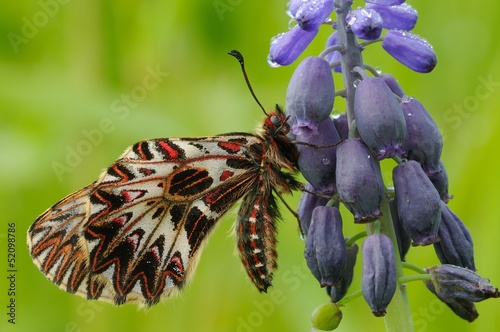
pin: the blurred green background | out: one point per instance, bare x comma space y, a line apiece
67, 68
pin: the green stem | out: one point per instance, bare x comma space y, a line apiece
415, 277
349, 298
414, 267
398, 317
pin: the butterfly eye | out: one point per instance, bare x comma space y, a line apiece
275, 120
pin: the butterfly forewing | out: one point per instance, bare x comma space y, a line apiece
133, 234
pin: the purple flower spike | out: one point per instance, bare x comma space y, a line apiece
325, 250
423, 142
365, 23
287, 47
418, 203
402, 17
379, 273
456, 245
318, 165
393, 84
379, 119
310, 96
312, 13
411, 50
385, 2
359, 181
333, 57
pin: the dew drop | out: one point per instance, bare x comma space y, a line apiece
326, 161
272, 63
356, 82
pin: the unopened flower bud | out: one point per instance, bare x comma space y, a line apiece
317, 163
456, 246
287, 47
325, 250
340, 122
404, 239
359, 182
411, 50
310, 95
423, 141
379, 273
311, 14
418, 203
334, 56
365, 23
379, 119
462, 308
402, 17
337, 292
393, 84
452, 281
326, 317
307, 203
440, 181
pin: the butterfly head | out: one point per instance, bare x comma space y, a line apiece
276, 123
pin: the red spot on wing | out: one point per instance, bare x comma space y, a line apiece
132, 195
156, 253
178, 263
121, 220
225, 175
230, 146
170, 152
146, 171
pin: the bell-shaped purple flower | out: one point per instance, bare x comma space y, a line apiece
401, 17
317, 163
440, 181
306, 205
393, 84
325, 250
404, 239
338, 292
462, 308
359, 182
334, 56
379, 119
340, 122
411, 50
379, 273
310, 96
423, 142
386, 2
456, 245
365, 23
312, 13
287, 47
418, 203
452, 281
293, 6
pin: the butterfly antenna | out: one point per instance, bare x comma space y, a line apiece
240, 59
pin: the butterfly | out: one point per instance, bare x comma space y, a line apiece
136, 234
